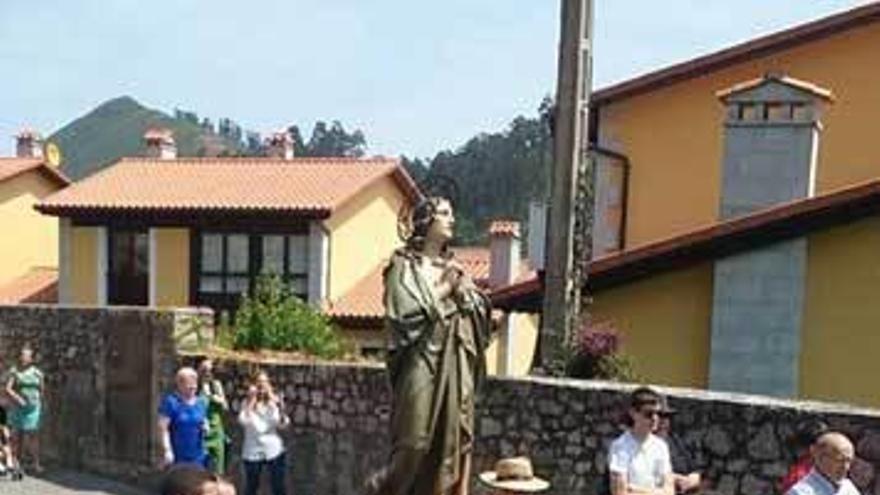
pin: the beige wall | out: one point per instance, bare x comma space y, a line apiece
523, 343
665, 324
673, 136
172, 267
84, 265
29, 238
363, 233
841, 332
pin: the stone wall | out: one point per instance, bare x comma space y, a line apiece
104, 369
340, 419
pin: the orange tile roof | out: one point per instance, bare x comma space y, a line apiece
807, 86
38, 285
475, 260
13, 167
723, 238
301, 185
364, 300
504, 227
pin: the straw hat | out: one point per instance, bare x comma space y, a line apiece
514, 474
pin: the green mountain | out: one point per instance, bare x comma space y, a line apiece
115, 129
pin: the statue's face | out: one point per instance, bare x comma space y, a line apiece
444, 222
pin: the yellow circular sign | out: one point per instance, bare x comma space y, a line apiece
53, 154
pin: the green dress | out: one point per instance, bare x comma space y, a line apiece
27, 383
435, 363
215, 437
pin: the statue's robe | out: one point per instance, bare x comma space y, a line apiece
436, 362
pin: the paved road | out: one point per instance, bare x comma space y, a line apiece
62, 482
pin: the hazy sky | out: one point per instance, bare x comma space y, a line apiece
416, 76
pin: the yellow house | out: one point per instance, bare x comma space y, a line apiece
168, 231
737, 216
29, 244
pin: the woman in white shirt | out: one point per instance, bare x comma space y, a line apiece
262, 415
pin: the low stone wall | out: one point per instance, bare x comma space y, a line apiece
340, 428
104, 369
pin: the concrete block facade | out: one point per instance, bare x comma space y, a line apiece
757, 313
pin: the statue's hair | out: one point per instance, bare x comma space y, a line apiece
421, 219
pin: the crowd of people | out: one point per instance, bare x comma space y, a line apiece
192, 432
647, 458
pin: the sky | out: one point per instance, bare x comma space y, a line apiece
416, 76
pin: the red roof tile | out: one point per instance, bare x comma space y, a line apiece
807, 86
38, 285
13, 167
504, 227
364, 300
777, 223
301, 185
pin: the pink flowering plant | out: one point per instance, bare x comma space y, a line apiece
597, 353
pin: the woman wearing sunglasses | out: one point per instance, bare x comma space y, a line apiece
638, 460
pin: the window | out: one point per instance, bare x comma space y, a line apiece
229, 264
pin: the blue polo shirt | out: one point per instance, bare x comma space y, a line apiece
186, 423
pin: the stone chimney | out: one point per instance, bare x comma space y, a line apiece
771, 142
28, 144
160, 143
280, 145
504, 247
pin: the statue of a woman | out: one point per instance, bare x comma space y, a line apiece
439, 325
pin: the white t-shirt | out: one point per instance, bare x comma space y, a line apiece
642, 464
261, 439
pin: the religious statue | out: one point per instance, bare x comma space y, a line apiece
439, 325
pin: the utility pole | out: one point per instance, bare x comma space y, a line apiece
561, 290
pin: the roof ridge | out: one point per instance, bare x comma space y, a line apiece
259, 159
731, 54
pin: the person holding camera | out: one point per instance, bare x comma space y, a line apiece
262, 415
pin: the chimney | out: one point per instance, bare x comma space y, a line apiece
280, 145
537, 234
160, 143
28, 144
504, 246
771, 142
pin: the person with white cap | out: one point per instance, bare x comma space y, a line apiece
513, 475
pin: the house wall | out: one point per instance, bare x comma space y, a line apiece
35, 236
83, 268
664, 322
671, 191
840, 333
522, 340
363, 233
172, 266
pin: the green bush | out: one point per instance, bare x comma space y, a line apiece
273, 318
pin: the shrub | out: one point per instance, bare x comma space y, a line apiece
597, 354
273, 318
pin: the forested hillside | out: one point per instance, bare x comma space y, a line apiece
497, 173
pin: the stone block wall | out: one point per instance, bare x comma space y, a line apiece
104, 368
340, 428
